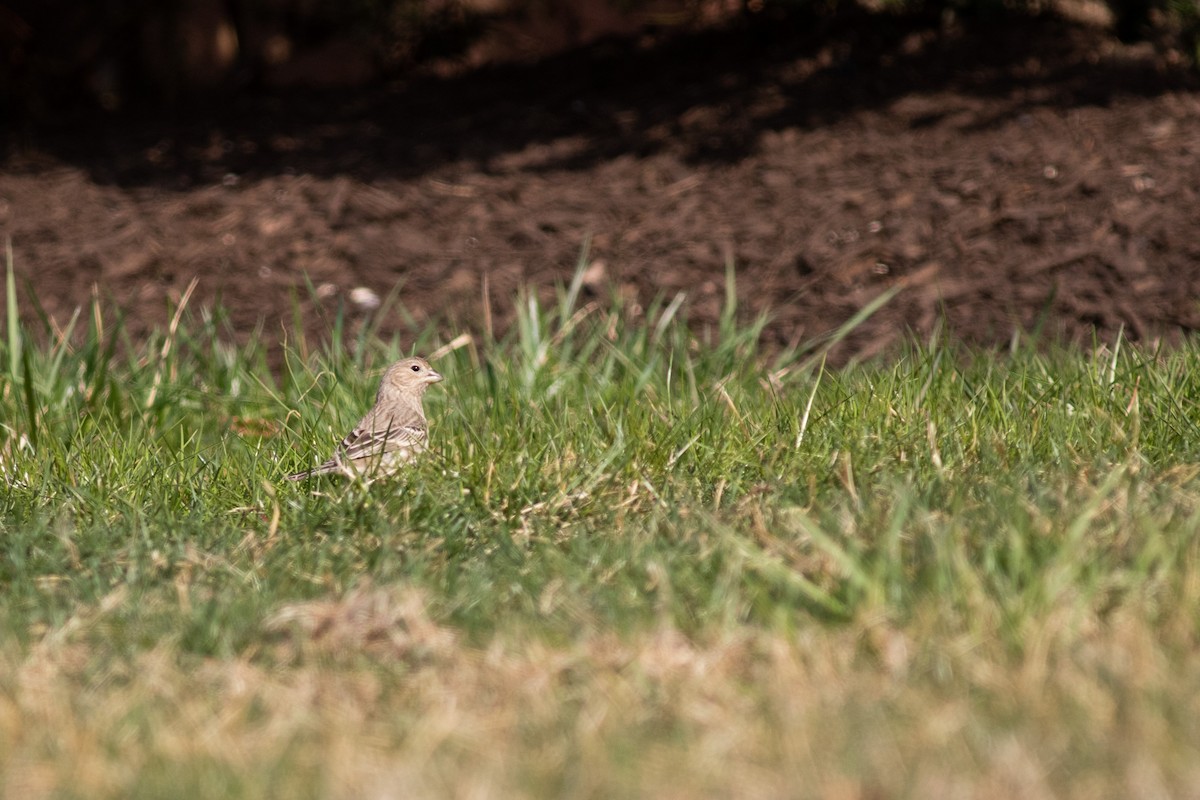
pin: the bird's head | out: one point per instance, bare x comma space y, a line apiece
410, 375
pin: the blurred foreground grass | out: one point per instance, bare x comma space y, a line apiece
636, 561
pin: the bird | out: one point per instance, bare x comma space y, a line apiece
392, 433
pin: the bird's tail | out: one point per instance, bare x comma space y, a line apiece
328, 466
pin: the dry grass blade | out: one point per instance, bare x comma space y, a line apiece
168, 342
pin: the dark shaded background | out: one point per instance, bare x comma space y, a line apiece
1005, 168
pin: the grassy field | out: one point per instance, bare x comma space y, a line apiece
637, 561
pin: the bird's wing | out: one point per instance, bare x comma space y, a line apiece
371, 441
373, 437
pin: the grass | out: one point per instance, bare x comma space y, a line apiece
636, 561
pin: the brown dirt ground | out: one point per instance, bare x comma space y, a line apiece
1003, 174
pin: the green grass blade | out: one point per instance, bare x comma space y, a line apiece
14, 321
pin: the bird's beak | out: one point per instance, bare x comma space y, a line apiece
433, 377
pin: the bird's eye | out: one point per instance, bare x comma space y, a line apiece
416, 368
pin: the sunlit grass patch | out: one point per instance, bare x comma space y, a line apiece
636, 559
907, 710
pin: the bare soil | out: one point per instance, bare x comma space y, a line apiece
1006, 174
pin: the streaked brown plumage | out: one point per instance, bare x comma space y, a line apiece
392, 433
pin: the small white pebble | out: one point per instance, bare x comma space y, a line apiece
363, 297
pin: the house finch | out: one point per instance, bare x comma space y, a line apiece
392, 432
